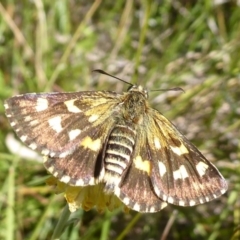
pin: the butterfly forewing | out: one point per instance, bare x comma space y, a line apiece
53, 124
118, 140
81, 167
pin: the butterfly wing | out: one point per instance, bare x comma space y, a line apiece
58, 125
136, 189
81, 166
72, 131
180, 174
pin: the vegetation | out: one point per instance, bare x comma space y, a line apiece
55, 45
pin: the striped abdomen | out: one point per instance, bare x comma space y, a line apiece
118, 154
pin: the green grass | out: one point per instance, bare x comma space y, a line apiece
55, 45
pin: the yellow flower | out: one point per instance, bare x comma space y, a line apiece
86, 197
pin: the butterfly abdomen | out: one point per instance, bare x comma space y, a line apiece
118, 153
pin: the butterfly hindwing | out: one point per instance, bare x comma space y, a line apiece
136, 188
138, 193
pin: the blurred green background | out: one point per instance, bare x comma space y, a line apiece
55, 45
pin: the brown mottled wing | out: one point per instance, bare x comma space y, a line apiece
136, 188
180, 174
68, 128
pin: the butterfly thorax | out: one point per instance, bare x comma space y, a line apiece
135, 104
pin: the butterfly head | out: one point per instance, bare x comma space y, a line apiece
139, 89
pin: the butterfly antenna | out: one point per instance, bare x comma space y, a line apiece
169, 89
102, 72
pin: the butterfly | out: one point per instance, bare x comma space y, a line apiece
94, 137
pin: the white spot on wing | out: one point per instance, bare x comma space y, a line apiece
23, 138
152, 209
162, 168
33, 146
201, 168
117, 191
65, 179
71, 107
223, 191
157, 143
74, 133
192, 203
126, 200
64, 154
45, 152
92, 181
34, 122
52, 154
179, 150
42, 104
6, 106
55, 124
164, 197
136, 207
12, 124
88, 142
51, 169
45, 159
143, 165
181, 173
93, 118
181, 203
28, 118
170, 200
79, 182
